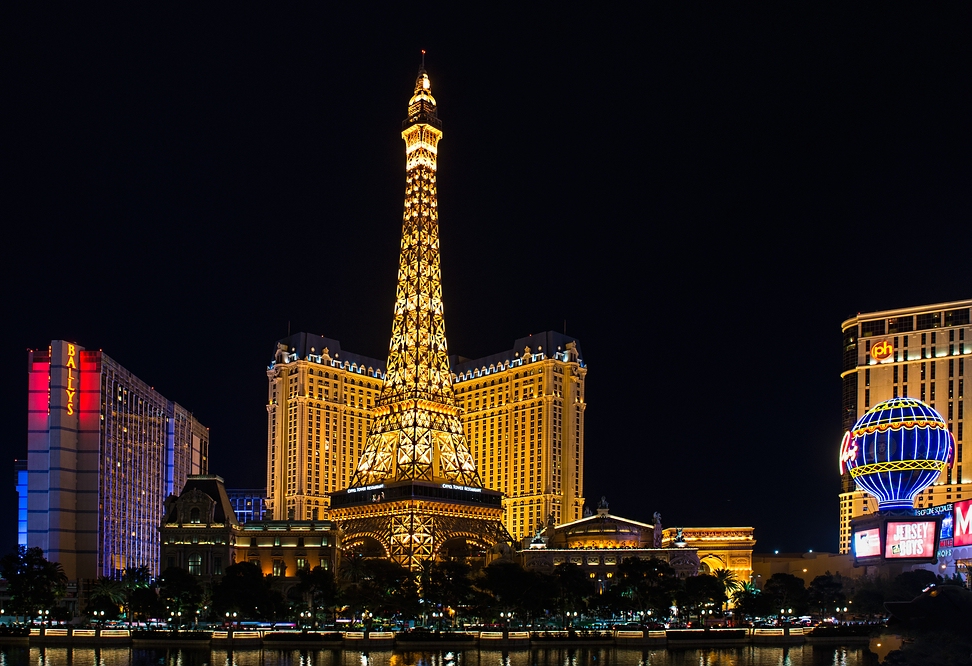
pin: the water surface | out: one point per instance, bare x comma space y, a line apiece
804, 655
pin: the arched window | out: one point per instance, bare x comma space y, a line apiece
194, 516
195, 564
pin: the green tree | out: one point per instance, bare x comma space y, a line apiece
105, 595
787, 592
180, 592
244, 590
751, 602
447, 585
729, 581
700, 593
319, 588
647, 586
33, 583
135, 582
573, 589
826, 593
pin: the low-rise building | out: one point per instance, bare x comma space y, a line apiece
200, 533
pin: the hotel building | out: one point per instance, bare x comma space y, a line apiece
104, 450
523, 419
922, 352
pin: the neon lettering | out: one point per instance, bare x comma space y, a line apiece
71, 365
848, 451
882, 350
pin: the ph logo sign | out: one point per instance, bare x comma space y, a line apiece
882, 351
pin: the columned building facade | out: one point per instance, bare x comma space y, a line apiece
922, 352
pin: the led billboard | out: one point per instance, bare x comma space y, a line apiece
962, 525
911, 539
867, 543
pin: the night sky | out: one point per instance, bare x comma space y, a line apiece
701, 197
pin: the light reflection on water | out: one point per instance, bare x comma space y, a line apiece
761, 655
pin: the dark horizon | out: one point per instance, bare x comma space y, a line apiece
701, 197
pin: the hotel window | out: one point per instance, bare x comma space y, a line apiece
195, 564
279, 568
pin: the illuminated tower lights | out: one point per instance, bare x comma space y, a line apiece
416, 439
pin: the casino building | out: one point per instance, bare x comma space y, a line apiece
524, 405
104, 450
922, 352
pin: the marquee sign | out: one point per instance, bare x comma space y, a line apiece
962, 525
911, 539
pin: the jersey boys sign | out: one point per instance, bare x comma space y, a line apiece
911, 539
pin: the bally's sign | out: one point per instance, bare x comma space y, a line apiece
71, 389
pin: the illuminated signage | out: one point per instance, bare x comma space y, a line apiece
455, 487
962, 525
945, 511
848, 451
72, 367
867, 543
911, 539
882, 351
364, 488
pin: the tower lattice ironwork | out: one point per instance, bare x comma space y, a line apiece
416, 485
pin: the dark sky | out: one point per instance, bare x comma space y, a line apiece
703, 196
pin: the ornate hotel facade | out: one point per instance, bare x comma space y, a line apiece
104, 450
922, 352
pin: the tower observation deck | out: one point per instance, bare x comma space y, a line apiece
416, 489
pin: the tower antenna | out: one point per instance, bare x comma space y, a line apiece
423, 58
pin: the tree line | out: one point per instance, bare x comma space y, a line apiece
449, 593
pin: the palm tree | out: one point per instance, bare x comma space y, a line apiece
106, 593
729, 581
134, 578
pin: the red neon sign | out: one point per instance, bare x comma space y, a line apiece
848, 451
910, 539
881, 351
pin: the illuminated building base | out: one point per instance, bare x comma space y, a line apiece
411, 522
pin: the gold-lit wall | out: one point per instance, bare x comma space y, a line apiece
922, 352
523, 422
319, 411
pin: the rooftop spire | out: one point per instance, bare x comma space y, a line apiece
421, 108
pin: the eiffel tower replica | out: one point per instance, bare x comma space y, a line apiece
416, 487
